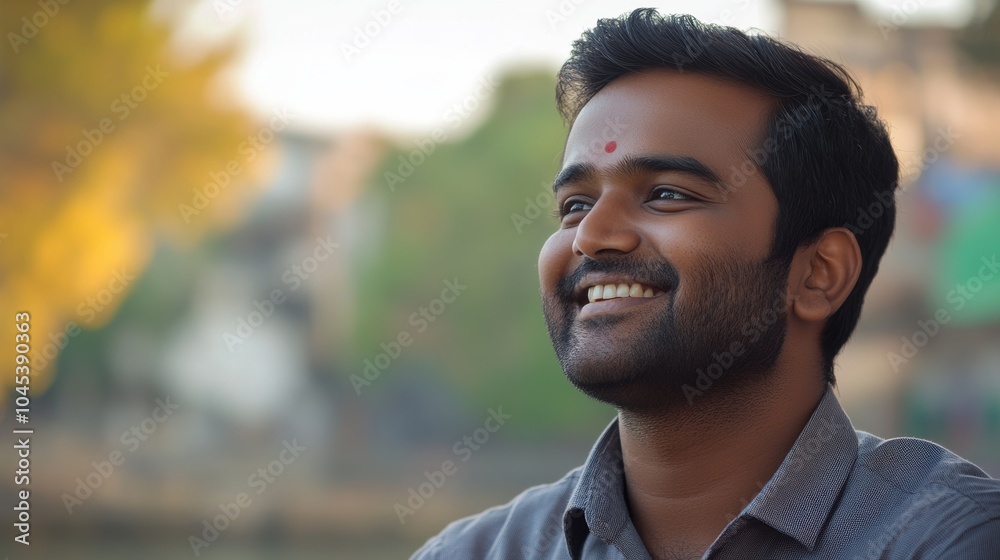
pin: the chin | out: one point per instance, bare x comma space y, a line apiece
626, 386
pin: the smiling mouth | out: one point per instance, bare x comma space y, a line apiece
613, 299
605, 292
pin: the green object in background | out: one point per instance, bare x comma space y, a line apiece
478, 209
968, 287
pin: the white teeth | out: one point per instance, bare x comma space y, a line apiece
612, 291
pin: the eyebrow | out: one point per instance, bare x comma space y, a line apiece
636, 165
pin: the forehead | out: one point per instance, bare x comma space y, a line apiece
664, 111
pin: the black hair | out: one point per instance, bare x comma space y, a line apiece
826, 155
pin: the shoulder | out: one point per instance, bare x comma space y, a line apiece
935, 496
917, 466
529, 526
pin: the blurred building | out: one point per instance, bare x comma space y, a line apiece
943, 112
239, 400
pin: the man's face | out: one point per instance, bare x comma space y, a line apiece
656, 193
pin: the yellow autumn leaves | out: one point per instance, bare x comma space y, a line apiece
73, 239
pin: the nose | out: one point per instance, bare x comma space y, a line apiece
605, 230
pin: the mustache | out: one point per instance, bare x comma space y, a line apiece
661, 274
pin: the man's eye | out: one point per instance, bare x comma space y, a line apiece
668, 193
571, 206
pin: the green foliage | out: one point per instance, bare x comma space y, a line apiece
104, 133
453, 218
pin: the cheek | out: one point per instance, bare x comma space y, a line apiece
752, 222
553, 258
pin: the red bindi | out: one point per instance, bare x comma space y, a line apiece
610, 146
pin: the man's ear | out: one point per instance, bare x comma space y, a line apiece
823, 274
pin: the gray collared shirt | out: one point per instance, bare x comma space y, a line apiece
839, 493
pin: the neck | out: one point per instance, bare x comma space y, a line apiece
692, 469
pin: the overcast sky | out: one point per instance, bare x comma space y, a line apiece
307, 55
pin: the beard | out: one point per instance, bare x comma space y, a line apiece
711, 335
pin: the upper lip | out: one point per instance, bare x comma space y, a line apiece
597, 279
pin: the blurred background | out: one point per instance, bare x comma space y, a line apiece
280, 260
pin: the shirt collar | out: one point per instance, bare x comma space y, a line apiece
597, 504
799, 497
796, 501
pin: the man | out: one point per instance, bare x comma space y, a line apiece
705, 274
